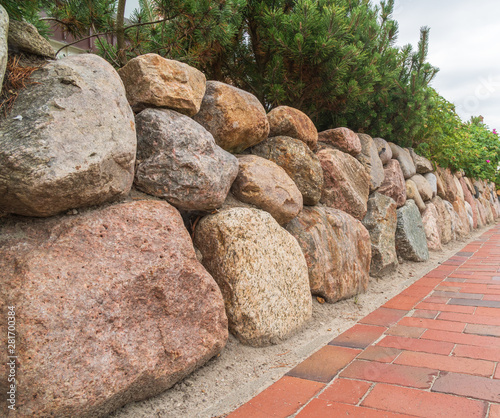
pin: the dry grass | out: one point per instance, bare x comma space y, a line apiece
16, 78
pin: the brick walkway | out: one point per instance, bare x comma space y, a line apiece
431, 351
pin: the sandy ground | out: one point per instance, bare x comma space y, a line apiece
241, 372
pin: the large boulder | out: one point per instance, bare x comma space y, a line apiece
405, 160
24, 37
261, 271
384, 150
346, 182
444, 220
341, 138
413, 194
422, 164
72, 142
431, 228
469, 199
266, 185
287, 121
394, 183
423, 186
381, 221
470, 215
4, 30
432, 180
411, 242
113, 307
458, 185
337, 250
235, 118
371, 161
178, 160
449, 190
462, 229
153, 81
300, 163
455, 220
481, 214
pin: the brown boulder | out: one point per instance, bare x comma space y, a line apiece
431, 228
444, 220
449, 190
413, 193
300, 163
235, 118
381, 221
266, 185
261, 271
394, 183
154, 81
113, 307
462, 229
469, 199
337, 250
371, 161
346, 183
341, 138
287, 121
24, 37
422, 164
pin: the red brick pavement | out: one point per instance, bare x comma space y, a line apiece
431, 351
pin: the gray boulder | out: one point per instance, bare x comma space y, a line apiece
384, 150
381, 222
178, 160
444, 220
69, 141
405, 160
24, 37
411, 241
423, 186
422, 164
371, 161
432, 180
261, 272
299, 162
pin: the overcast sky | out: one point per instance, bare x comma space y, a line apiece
464, 44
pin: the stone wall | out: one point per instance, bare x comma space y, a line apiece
149, 212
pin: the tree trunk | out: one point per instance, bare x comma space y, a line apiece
120, 32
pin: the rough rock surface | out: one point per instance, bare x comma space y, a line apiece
300, 163
394, 183
413, 193
261, 271
470, 200
346, 182
337, 250
114, 308
384, 150
431, 228
449, 191
405, 160
266, 185
24, 37
444, 220
153, 81
287, 121
462, 228
479, 187
343, 139
432, 180
470, 215
422, 164
234, 117
4, 30
381, 221
411, 242
481, 213
458, 185
71, 141
423, 186
371, 161
178, 160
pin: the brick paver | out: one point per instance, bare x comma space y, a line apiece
431, 351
